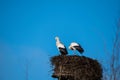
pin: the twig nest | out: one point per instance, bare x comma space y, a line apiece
75, 67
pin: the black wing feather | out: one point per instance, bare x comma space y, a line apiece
63, 51
79, 48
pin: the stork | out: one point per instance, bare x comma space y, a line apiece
61, 47
76, 46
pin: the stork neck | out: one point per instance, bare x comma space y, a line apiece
58, 41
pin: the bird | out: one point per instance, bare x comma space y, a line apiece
61, 47
76, 46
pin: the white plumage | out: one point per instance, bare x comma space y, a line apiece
75, 46
61, 47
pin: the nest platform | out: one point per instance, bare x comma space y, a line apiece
74, 67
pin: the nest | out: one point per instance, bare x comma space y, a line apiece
76, 68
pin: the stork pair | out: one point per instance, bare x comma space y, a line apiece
73, 46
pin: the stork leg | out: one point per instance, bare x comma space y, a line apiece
81, 54
74, 51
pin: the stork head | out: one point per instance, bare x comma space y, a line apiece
69, 47
57, 38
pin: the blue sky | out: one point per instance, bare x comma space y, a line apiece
28, 29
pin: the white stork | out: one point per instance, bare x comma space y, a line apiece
61, 47
75, 46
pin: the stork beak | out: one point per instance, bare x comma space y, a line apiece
56, 38
69, 47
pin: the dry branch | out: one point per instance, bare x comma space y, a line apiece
76, 68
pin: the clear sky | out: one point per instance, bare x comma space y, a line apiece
28, 29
